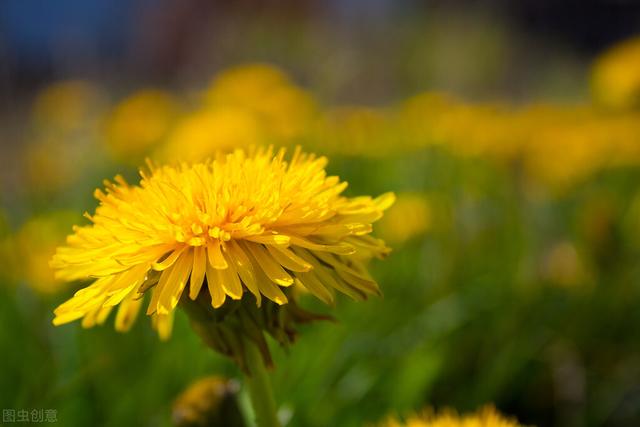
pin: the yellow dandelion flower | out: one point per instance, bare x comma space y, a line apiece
208, 401
203, 133
50, 173
244, 222
139, 123
615, 80
356, 131
411, 216
35, 244
485, 417
283, 109
66, 105
63, 129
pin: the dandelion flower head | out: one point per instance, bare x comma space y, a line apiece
244, 222
485, 417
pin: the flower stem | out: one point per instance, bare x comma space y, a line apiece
264, 405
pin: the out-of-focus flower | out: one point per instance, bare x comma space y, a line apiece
139, 123
466, 129
64, 130
420, 113
244, 106
615, 79
411, 216
564, 267
567, 144
242, 83
202, 134
52, 165
244, 222
35, 244
556, 146
485, 417
210, 401
282, 109
356, 131
65, 106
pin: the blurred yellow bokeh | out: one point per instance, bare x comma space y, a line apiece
281, 107
35, 243
64, 129
140, 123
615, 79
409, 217
202, 134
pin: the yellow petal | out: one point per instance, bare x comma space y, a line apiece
197, 274
164, 324
230, 282
128, 312
270, 289
175, 283
168, 261
63, 318
270, 239
215, 255
338, 248
156, 292
385, 201
244, 269
288, 259
215, 287
272, 269
311, 282
103, 313
328, 276
359, 282
89, 320
124, 283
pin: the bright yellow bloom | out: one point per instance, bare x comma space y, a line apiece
486, 417
615, 79
243, 222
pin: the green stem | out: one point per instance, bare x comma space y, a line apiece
264, 405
